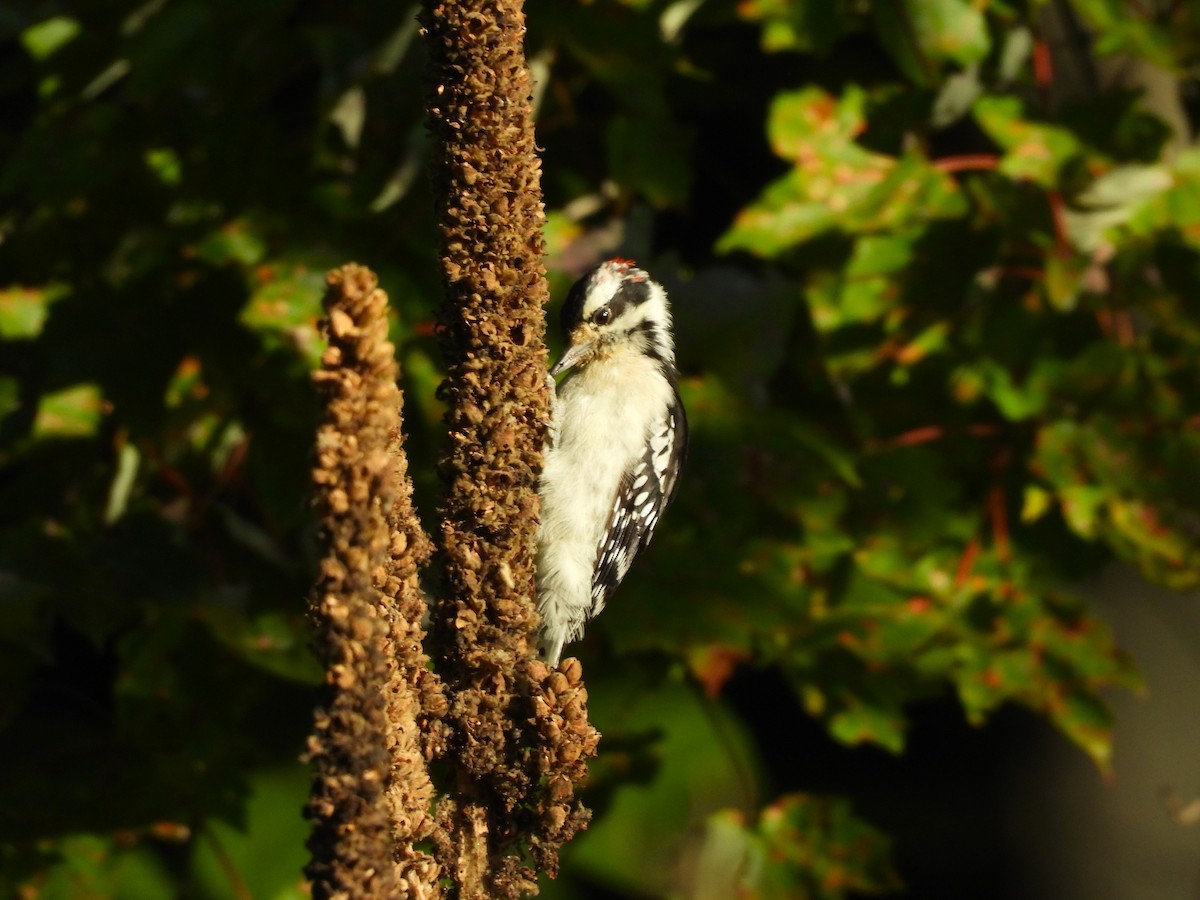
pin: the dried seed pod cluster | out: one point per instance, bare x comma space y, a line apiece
565, 742
371, 791
486, 178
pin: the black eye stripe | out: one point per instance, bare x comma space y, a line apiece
635, 292
617, 305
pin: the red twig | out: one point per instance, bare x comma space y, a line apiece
917, 436
1043, 72
968, 162
966, 563
999, 517
928, 433
1043, 64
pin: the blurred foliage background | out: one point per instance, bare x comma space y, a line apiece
935, 266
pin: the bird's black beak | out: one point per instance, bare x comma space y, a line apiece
573, 356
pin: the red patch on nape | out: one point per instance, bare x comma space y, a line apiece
625, 265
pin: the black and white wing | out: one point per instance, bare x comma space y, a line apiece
646, 491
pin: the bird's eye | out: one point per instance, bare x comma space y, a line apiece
602, 315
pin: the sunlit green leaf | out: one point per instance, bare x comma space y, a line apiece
862, 722
165, 164
923, 34
286, 306
835, 183
1122, 26
1033, 151
694, 773
47, 37
122, 483
73, 412
264, 857
1036, 503
801, 846
866, 289
235, 242
23, 311
797, 24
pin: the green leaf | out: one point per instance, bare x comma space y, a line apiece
801, 846
128, 459
285, 307
235, 242
809, 125
989, 677
91, 867
1112, 200
1017, 401
1088, 722
951, 30
275, 642
1081, 506
1062, 283
265, 853
1164, 199
923, 34
866, 289
165, 164
1124, 27
1036, 504
1032, 151
46, 38
73, 412
690, 757
863, 722
957, 95
1138, 522
836, 183
23, 310
813, 25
